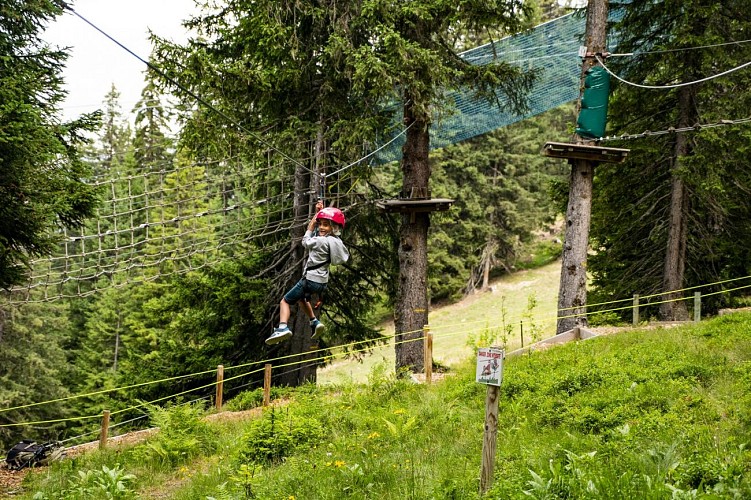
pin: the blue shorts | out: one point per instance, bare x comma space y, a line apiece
303, 289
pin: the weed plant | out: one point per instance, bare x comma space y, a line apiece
644, 414
247, 400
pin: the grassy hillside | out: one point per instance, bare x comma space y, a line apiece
660, 413
528, 295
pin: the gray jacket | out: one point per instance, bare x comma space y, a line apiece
320, 249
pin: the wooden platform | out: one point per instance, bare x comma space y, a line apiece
584, 152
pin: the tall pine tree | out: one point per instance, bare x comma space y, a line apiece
673, 216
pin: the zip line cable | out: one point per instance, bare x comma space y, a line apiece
697, 127
677, 85
372, 153
682, 49
221, 113
187, 91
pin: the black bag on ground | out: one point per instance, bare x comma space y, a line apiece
29, 453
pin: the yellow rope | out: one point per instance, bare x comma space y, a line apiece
334, 356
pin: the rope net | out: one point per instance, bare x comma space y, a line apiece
550, 49
175, 218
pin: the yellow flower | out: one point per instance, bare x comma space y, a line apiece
339, 463
373, 435
291, 497
400, 411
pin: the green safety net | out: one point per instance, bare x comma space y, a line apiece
551, 49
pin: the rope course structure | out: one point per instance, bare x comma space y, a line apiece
550, 50
175, 217
181, 216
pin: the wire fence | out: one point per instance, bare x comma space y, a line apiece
286, 364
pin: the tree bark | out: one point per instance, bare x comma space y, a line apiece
572, 292
300, 342
675, 254
411, 310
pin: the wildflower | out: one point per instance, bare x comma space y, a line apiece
373, 435
339, 463
399, 411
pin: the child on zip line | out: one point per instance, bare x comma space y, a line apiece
324, 248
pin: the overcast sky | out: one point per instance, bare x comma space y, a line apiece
96, 62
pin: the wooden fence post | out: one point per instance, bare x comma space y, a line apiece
104, 430
636, 309
697, 306
489, 439
267, 384
219, 386
428, 353
521, 331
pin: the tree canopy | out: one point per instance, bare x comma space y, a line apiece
41, 187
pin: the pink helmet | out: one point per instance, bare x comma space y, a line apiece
333, 214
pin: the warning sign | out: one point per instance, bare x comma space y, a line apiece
490, 366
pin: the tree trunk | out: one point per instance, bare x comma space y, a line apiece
675, 254
411, 310
486, 267
572, 292
300, 342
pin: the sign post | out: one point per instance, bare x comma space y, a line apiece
489, 372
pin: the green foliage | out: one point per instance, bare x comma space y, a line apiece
42, 189
537, 254
384, 383
501, 186
33, 368
274, 437
247, 400
96, 484
631, 204
183, 435
645, 414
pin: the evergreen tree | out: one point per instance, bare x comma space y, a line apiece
502, 186
33, 368
43, 191
672, 216
42, 187
278, 70
406, 56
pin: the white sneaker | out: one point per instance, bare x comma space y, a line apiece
279, 335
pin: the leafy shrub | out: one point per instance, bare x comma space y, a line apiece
183, 434
105, 483
384, 383
247, 400
270, 438
604, 318
576, 381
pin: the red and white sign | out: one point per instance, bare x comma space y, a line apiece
490, 366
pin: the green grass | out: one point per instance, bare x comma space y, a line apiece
478, 317
662, 413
